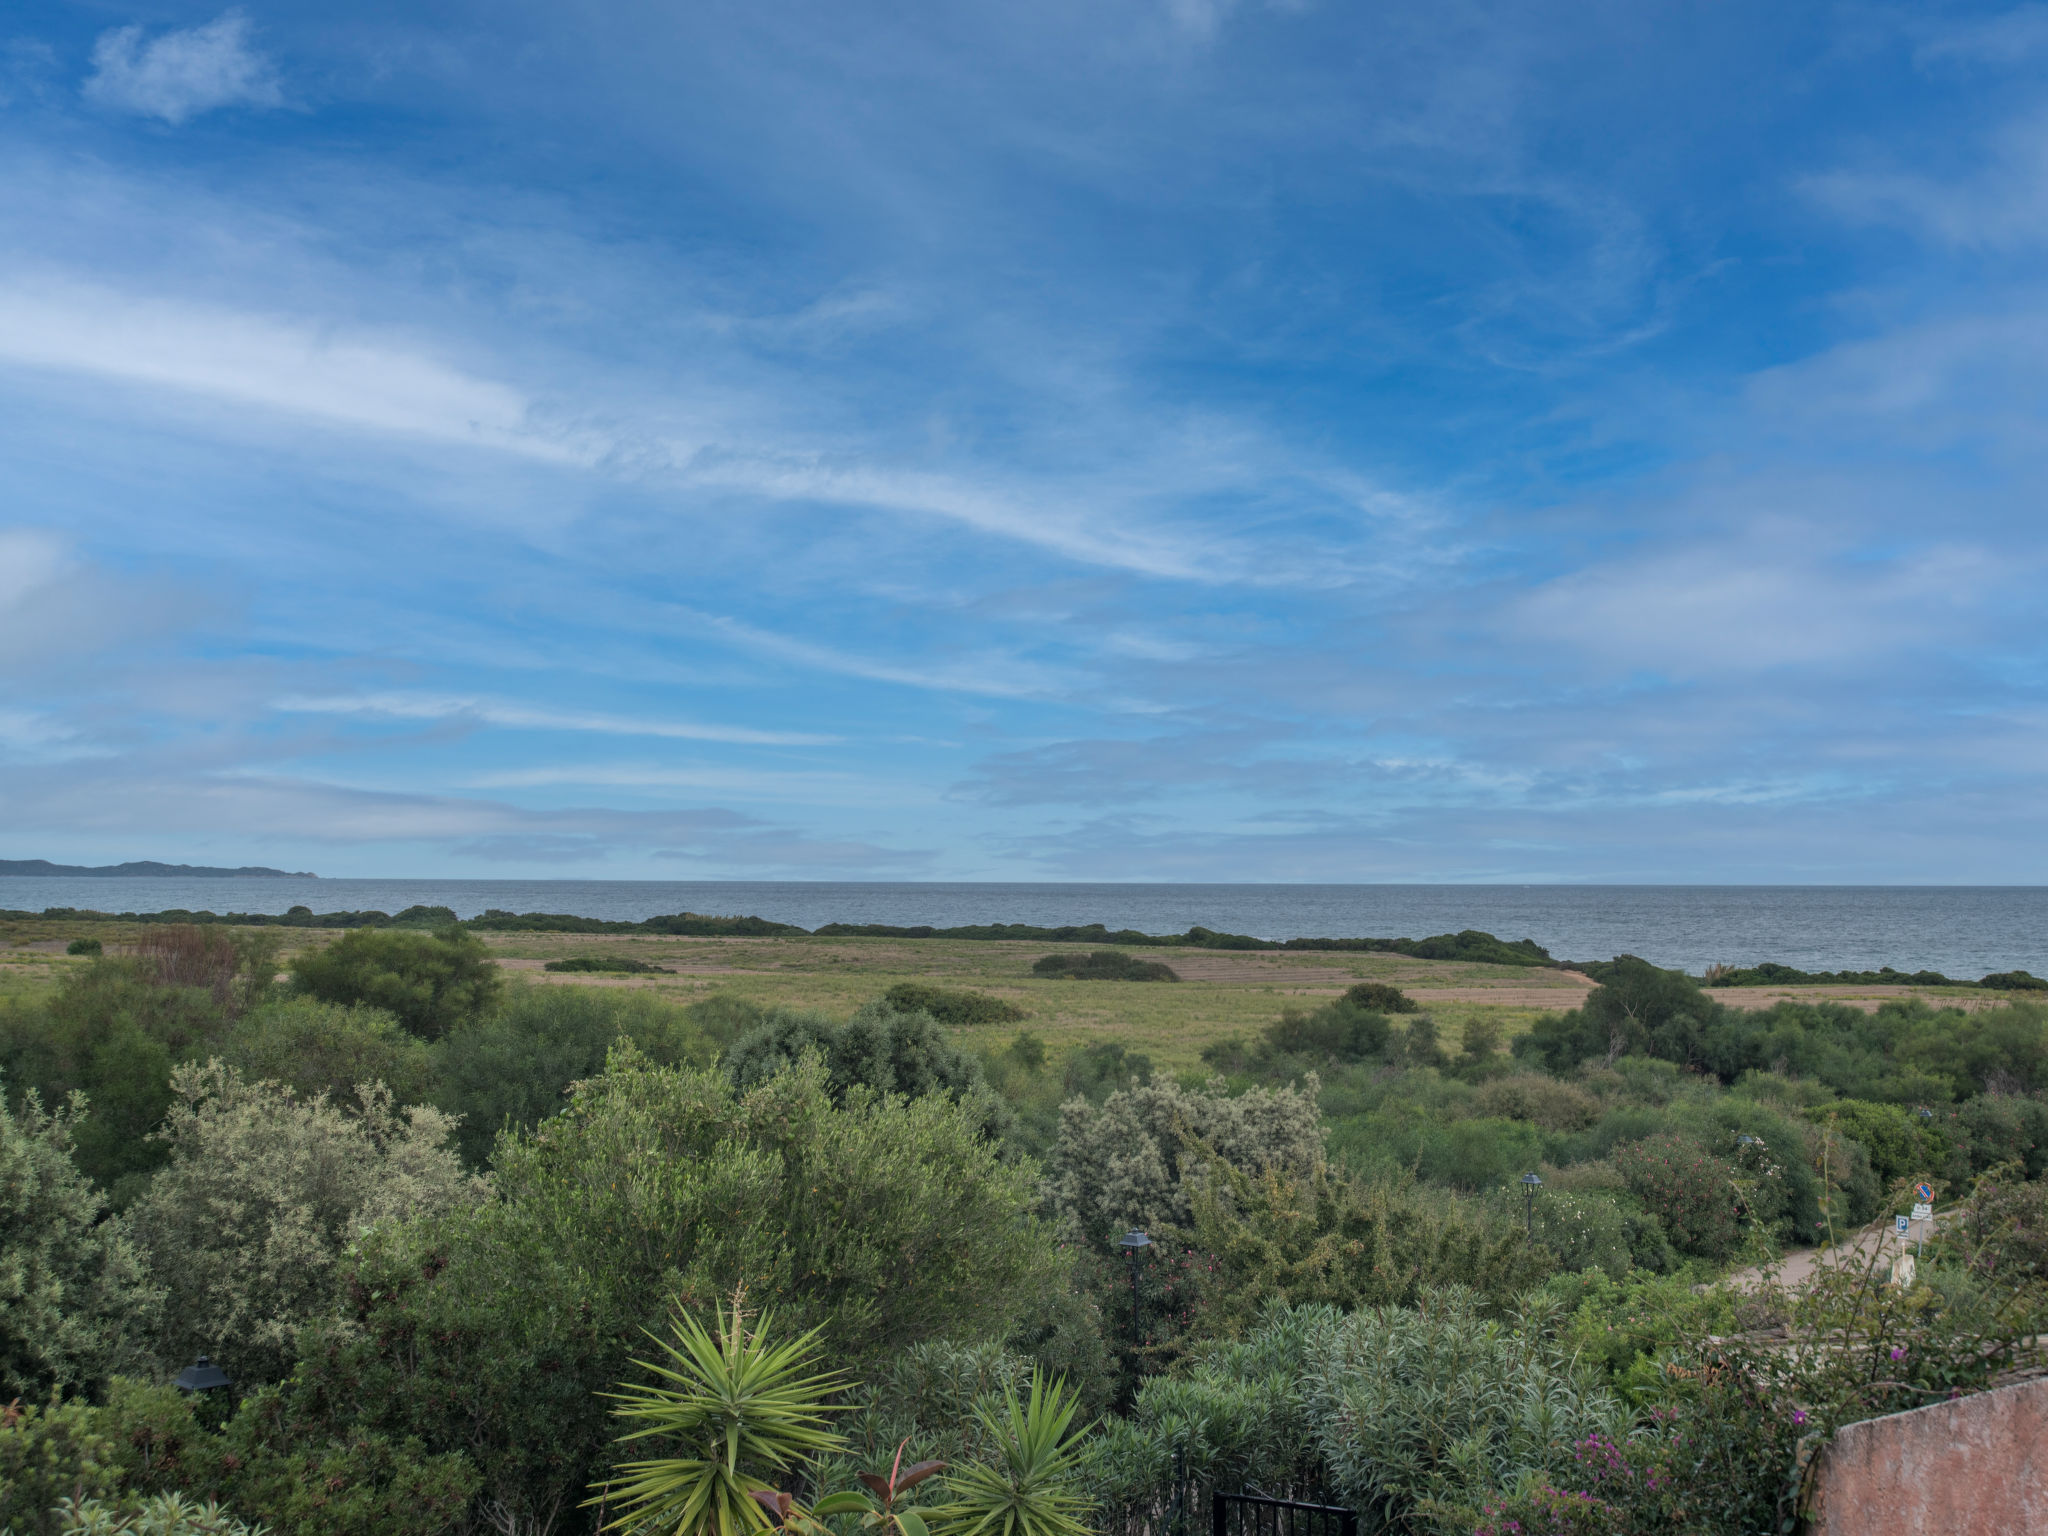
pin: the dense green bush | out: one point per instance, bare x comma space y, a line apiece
432, 982
877, 1049
76, 1303
1688, 1189
113, 1032
1328, 1238
84, 947
512, 1070
950, 1005
1103, 965
613, 965
145, 1455
314, 1047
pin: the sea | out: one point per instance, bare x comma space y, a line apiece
1962, 931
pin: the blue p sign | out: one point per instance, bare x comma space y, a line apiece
1902, 1225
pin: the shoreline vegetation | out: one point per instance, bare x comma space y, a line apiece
1392, 1207
1470, 945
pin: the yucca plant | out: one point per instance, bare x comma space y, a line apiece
739, 1405
1029, 1488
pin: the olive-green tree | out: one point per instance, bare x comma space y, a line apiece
431, 981
76, 1302
263, 1192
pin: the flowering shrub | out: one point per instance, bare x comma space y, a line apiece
1688, 1189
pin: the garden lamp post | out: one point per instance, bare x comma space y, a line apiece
202, 1375
1131, 1242
1530, 1184
1745, 1140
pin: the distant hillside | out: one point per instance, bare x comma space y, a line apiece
146, 867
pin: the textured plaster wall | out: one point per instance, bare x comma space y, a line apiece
1974, 1467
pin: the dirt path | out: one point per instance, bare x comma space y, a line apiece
1799, 1264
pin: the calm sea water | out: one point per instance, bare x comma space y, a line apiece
1961, 930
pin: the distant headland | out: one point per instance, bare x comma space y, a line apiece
148, 868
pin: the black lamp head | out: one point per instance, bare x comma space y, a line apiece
1530, 1182
1132, 1241
202, 1375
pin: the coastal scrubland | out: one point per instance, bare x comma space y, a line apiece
1446, 1240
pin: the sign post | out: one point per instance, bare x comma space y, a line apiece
1923, 1211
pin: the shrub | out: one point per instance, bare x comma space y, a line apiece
949, 1006
1691, 1192
432, 982
83, 947
877, 1049
50, 1454
313, 1047
263, 1192
1378, 997
1132, 1160
75, 1301
512, 1070
1543, 1101
1102, 1067
618, 965
1422, 1415
113, 1034
1103, 965
1326, 1238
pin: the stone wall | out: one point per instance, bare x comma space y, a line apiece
1975, 1467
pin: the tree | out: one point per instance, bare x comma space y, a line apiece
878, 1048
263, 1193
76, 1303
315, 1047
882, 1221
1134, 1160
113, 1033
513, 1069
1636, 1007
431, 981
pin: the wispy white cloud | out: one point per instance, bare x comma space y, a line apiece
1001, 677
512, 716
385, 385
179, 75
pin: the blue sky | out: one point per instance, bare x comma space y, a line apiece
1147, 439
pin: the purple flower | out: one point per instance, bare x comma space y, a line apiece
1798, 1415
1898, 1352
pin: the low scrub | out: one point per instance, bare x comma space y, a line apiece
608, 965
1103, 965
949, 1006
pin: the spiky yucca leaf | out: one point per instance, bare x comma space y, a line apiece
739, 1404
1028, 1490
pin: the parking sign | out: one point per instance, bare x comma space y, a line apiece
1902, 1225
1923, 1192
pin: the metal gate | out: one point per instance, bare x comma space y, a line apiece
1250, 1514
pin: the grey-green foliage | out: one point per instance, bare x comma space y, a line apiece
76, 1302
513, 1069
1422, 1413
1411, 1415
263, 1193
1133, 1160
317, 1047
